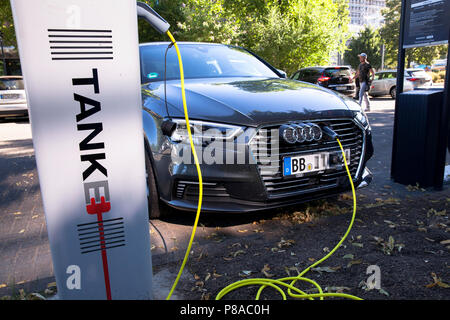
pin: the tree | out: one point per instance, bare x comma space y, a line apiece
291, 34
390, 32
367, 41
7, 24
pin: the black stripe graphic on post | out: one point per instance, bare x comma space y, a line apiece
98, 236
80, 44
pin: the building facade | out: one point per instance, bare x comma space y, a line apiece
365, 13
362, 13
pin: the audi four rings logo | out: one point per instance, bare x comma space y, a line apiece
300, 132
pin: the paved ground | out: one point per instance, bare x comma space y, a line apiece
25, 259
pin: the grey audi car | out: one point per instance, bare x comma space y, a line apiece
263, 140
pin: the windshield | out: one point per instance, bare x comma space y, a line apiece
11, 84
201, 61
337, 72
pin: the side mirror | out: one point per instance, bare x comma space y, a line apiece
282, 73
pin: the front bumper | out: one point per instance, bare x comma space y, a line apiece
247, 187
238, 206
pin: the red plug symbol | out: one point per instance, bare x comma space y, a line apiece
98, 208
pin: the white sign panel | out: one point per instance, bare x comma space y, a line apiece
80, 63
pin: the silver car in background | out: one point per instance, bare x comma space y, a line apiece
418, 78
385, 83
13, 100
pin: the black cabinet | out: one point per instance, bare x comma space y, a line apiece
416, 144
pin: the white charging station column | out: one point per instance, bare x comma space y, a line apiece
80, 62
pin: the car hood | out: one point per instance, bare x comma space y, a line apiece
249, 101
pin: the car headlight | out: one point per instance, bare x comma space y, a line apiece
204, 132
362, 118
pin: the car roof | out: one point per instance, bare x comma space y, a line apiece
325, 67
322, 68
158, 43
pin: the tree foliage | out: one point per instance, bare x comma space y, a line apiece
289, 34
367, 41
7, 24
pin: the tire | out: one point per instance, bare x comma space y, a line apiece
156, 209
393, 92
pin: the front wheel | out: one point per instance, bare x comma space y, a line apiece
156, 209
393, 92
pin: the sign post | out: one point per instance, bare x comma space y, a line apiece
80, 63
425, 23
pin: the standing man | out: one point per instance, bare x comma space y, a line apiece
365, 74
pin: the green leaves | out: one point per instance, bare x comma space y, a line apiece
368, 41
288, 34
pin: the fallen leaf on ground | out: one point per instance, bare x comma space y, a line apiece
382, 291
265, 271
353, 262
337, 289
238, 253
323, 269
437, 282
285, 243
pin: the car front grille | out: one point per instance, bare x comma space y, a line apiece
270, 161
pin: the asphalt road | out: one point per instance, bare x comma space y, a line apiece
25, 258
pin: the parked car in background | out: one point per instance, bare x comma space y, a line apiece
338, 78
13, 101
385, 83
439, 65
418, 78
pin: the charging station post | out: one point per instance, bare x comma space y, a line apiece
80, 62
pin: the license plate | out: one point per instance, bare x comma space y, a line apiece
10, 96
311, 162
341, 88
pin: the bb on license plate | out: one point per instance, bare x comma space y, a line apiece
310, 162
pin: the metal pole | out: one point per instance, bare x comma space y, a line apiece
5, 71
443, 129
399, 85
382, 56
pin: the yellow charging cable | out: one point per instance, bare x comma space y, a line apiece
276, 284
199, 173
